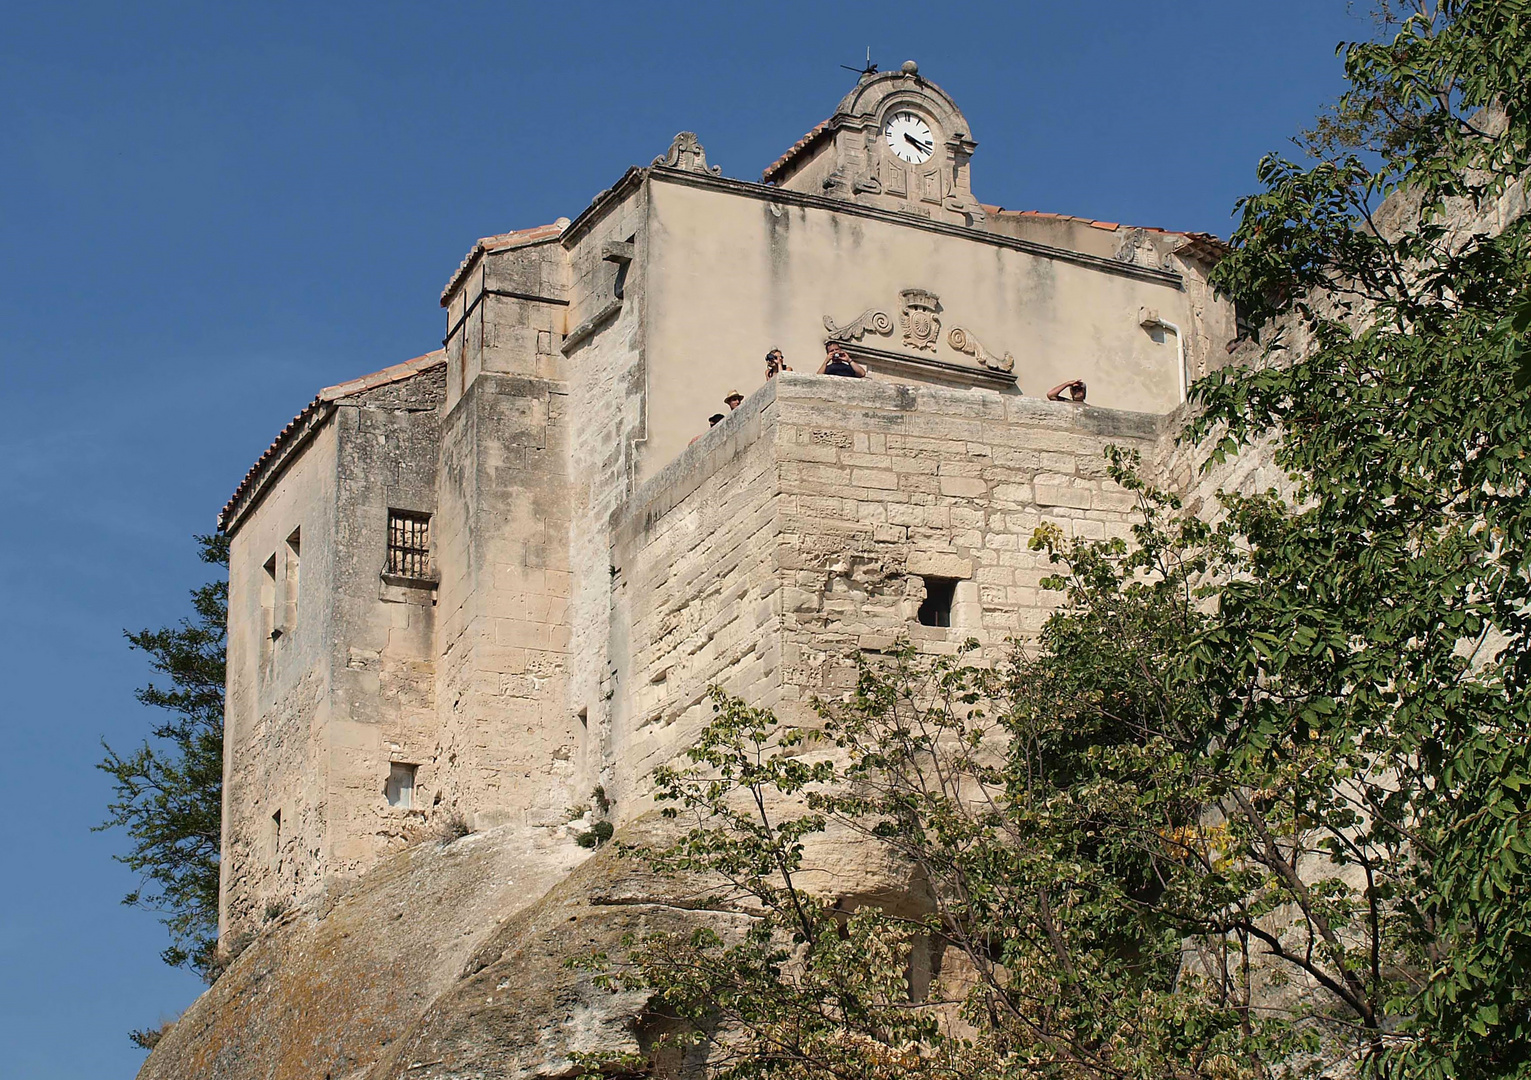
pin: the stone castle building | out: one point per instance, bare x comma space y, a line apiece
475, 586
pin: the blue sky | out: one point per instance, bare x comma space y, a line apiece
208, 213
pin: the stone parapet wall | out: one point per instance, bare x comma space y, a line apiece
696, 578
799, 533
883, 486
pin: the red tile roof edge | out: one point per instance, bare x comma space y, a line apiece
797, 148
503, 242
309, 420
1202, 240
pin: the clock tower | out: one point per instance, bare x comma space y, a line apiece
897, 142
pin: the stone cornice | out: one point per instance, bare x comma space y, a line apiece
974, 374
603, 202
766, 193
288, 445
291, 440
635, 176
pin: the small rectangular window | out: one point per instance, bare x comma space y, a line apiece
401, 785
409, 544
936, 608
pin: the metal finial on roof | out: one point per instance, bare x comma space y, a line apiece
870, 69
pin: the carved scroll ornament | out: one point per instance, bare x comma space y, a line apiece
686, 153
962, 339
870, 321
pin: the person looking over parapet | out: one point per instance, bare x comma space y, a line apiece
733, 400
1075, 389
712, 421
838, 362
775, 363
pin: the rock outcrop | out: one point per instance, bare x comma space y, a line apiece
450, 961
322, 995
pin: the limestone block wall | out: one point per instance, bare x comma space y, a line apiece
885, 485
802, 529
523, 313
280, 671
508, 313
384, 708
505, 746
697, 587
607, 382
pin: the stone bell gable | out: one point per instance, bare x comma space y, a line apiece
850, 156
469, 590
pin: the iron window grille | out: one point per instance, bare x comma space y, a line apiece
409, 544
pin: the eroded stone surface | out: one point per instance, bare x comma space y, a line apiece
324, 994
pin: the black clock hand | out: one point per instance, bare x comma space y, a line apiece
916, 143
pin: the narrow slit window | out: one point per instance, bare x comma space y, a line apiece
401, 785
269, 631
409, 544
936, 608
294, 564
275, 834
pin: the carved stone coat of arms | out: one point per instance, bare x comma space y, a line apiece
919, 318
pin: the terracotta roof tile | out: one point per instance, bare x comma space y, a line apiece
1202, 244
797, 149
503, 242
314, 413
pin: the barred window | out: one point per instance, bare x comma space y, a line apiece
409, 543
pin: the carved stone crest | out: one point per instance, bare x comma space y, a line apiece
962, 339
686, 153
919, 318
1136, 248
870, 321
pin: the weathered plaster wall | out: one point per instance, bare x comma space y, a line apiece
316, 714
278, 693
730, 277
608, 421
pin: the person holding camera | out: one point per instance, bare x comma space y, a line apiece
838, 362
775, 364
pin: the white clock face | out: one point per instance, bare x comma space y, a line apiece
909, 137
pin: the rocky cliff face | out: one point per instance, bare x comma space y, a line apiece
449, 961
322, 995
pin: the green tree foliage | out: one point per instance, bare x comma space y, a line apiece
1259, 803
1396, 600
168, 792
